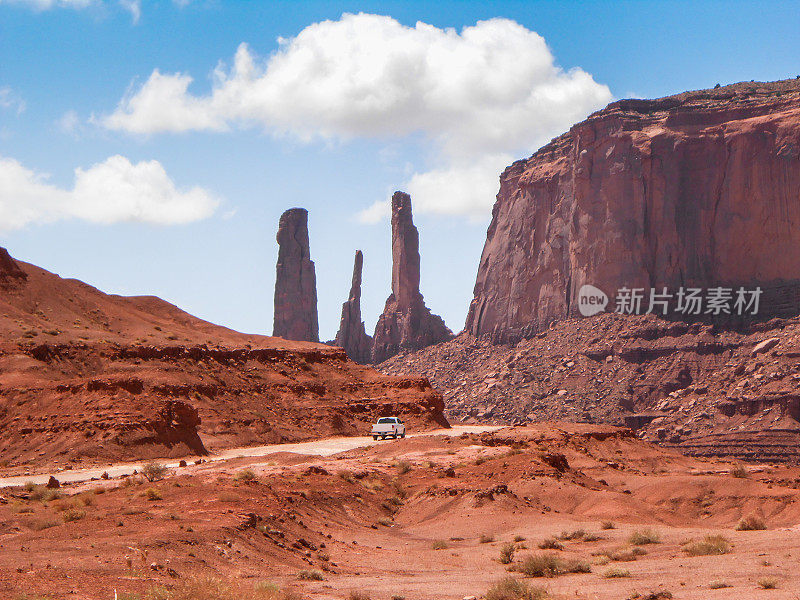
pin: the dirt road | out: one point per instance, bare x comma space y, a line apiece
324, 447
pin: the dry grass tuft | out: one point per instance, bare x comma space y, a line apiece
616, 572
550, 544
513, 589
643, 537
708, 546
549, 565
507, 553
768, 583
751, 523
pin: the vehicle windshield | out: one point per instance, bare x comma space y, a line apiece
385, 420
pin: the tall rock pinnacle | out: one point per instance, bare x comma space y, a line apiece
295, 316
352, 335
406, 323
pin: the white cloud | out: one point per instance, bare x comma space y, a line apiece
11, 101
491, 89
134, 7
113, 191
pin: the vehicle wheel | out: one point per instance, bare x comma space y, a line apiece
402, 436
375, 437
383, 437
394, 436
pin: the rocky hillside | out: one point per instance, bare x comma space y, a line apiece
696, 190
703, 390
86, 374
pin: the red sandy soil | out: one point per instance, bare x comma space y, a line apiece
86, 376
705, 390
368, 520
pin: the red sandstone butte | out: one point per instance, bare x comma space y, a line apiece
295, 316
352, 335
700, 189
406, 323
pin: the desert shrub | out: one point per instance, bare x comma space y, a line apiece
439, 545
385, 521
607, 525
510, 588
709, 545
643, 537
153, 471
548, 565
42, 524
578, 534
346, 475
358, 595
592, 537
209, 588
310, 576
245, 475
616, 572
507, 553
768, 583
73, 514
29, 486
718, 585
751, 523
152, 494
397, 597
486, 538
550, 544
403, 467
621, 554
519, 538
739, 471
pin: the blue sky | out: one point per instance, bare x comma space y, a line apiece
180, 188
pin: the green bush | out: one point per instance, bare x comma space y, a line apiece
153, 471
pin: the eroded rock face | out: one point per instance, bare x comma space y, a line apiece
406, 323
295, 316
699, 190
10, 272
352, 335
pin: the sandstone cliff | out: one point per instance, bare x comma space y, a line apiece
698, 190
352, 335
406, 323
295, 316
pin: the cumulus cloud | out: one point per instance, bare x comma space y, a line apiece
491, 89
113, 191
